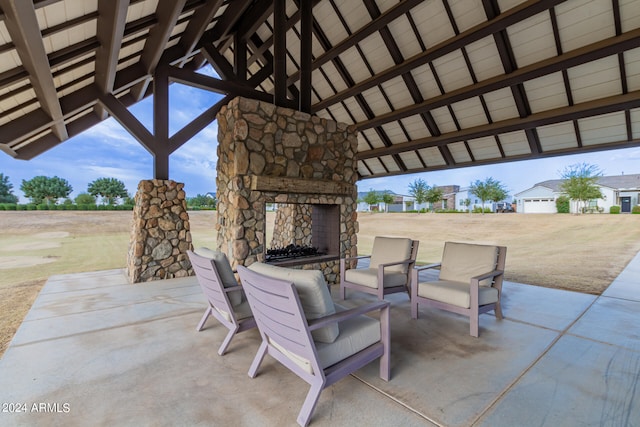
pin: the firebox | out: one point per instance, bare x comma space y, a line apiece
298, 233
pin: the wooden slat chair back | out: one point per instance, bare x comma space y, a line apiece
469, 283
286, 336
389, 270
226, 301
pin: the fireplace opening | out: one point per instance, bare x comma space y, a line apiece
301, 231
291, 252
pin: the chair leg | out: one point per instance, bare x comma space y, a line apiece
414, 309
206, 315
498, 310
310, 403
227, 341
343, 291
262, 351
474, 320
385, 359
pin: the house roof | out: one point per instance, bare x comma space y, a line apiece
618, 182
429, 85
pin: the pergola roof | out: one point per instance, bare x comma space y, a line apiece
429, 85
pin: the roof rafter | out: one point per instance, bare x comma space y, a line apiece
502, 21
558, 115
23, 27
167, 13
598, 50
110, 30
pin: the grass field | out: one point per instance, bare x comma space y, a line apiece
580, 253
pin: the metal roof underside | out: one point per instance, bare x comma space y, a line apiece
429, 85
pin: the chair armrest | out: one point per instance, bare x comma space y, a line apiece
484, 276
426, 266
347, 314
356, 257
389, 264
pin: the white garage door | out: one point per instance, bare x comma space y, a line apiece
539, 206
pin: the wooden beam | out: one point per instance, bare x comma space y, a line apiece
197, 26
487, 28
23, 27
196, 125
578, 111
300, 186
161, 123
128, 121
372, 27
585, 54
110, 30
306, 46
226, 87
279, 52
155, 44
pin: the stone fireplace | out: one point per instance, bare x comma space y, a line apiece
303, 164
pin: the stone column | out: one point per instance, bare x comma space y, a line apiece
160, 233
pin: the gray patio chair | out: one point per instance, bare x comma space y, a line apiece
470, 282
286, 336
224, 295
389, 270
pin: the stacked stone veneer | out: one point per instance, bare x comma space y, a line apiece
292, 226
160, 233
269, 154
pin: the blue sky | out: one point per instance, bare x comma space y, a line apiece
107, 150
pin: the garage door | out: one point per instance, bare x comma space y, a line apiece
539, 206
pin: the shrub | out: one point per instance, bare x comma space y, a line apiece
635, 209
22, 207
43, 207
31, 207
614, 209
563, 204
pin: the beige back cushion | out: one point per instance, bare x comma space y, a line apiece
390, 249
313, 292
224, 271
462, 261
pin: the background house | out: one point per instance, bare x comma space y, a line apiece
620, 190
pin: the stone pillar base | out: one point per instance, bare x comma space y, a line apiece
160, 233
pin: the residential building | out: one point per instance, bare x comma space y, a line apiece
620, 190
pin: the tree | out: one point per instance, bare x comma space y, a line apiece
489, 190
467, 202
387, 198
44, 188
372, 198
85, 199
418, 190
6, 190
580, 183
434, 195
203, 200
110, 189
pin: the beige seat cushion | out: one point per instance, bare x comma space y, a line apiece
356, 334
225, 272
313, 293
390, 249
369, 277
241, 311
456, 293
462, 261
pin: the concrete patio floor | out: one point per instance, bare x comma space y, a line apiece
95, 350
